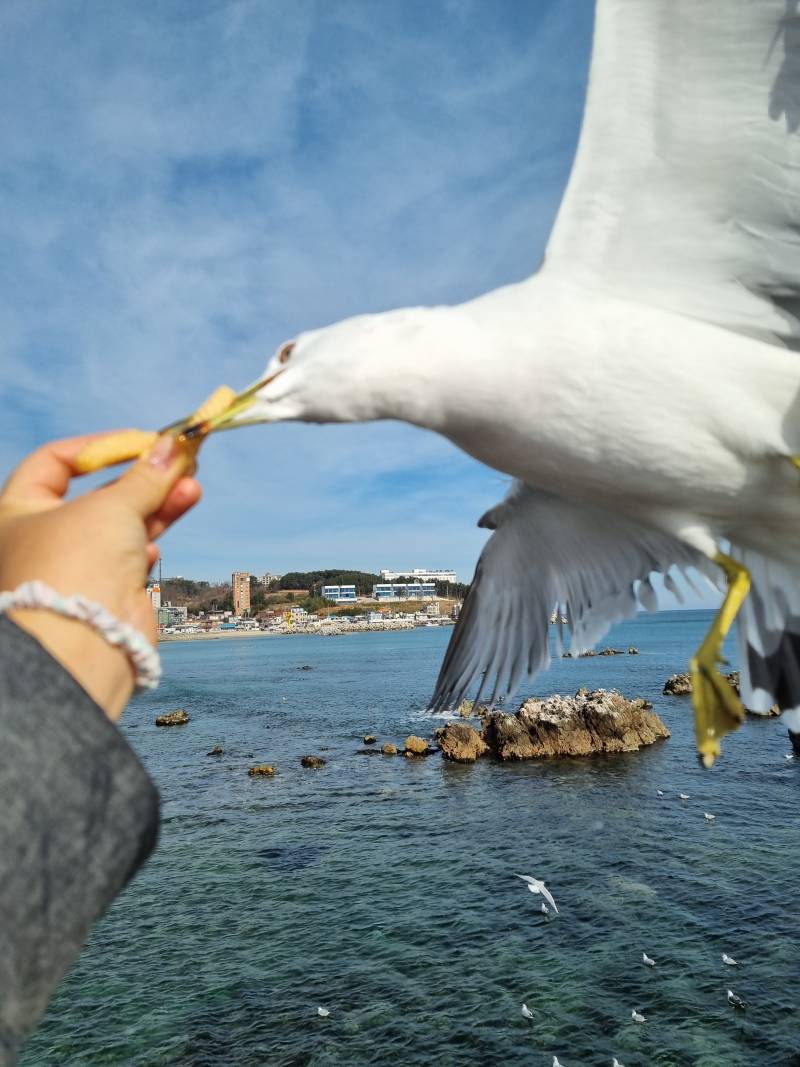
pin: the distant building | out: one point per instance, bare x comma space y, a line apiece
419, 574
154, 593
169, 615
240, 586
404, 590
267, 578
340, 594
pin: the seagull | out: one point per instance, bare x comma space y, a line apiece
536, 886
556, 1062
611, 385
526, 1011
684, 796
708, 818
323, 1013
647, 960
731, 962
660, 792
616, 1063
737, 1002
544, 909
637, 1016
789, 755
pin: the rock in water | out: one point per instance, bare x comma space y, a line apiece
369, 739
633, 651
313, 761
262, 770
416, 746
217, 750
389, 749
600, 721
678, 685
174, 718
461, 743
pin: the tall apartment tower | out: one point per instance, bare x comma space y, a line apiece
240, 585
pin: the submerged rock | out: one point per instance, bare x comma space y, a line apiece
678, 685
313, 761
460, 743
262, 770
589, 722
173, 718
217, 750
416, 746
305, 667
389, 749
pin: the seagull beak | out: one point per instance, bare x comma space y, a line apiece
186, 430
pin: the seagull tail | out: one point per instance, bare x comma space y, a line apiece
769, 638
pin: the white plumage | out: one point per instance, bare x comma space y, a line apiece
642, 387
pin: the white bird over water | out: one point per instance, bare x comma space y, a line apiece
537, 886
526, 1011
323, 1013
729, 960
647, 961
708, 818
544, 909
637, 1016
737, 1002
615, 1063
684, 796
642, 387
557, 1062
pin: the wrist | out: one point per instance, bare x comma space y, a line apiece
102, 669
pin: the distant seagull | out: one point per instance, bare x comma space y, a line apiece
616, 1063
684, 796
557, 1062
637, 1016
537, 886
731, 962
526, 1011
660, 792
789, 755
647, 961
707, 817
323, 1013
737, 1002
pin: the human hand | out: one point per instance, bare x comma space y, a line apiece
100, 544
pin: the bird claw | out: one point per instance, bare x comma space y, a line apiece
718, 711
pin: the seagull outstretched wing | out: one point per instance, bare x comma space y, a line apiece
546, 554
684, 191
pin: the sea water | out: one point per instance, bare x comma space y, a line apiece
384, 889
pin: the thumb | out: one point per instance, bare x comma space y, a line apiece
147, 484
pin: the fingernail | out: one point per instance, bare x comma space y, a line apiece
163, 452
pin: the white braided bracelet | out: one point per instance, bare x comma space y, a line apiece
143, 656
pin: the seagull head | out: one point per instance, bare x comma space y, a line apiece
360, 369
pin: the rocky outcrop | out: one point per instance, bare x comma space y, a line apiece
217, 750
313, 761
262, 770
633, 651
173, 718
460, 743
610, 652
389, 749
588, 723
733, 679
416, 746
369, 739
677, 685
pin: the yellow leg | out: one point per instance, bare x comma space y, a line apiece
717, 709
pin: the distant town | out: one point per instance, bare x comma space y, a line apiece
322, 602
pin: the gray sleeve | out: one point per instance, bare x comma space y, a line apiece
78, 817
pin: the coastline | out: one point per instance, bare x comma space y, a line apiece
214, 635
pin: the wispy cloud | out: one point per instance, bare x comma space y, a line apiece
186, 183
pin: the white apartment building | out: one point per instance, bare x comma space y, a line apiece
419, 574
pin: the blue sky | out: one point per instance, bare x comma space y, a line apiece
187, 183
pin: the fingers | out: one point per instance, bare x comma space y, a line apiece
184, 495
152, 556
45, 474
147, 484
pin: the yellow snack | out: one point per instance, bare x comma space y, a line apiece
119, 447
219, 400
116, 448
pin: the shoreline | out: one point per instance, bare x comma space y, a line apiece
215, 635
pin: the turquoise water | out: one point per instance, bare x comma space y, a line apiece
384, 889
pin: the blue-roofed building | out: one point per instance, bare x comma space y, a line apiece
340, 594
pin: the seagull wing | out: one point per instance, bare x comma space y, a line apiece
685, 191
548, 896
547, 554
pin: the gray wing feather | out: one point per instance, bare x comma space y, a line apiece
685, 192
546, 554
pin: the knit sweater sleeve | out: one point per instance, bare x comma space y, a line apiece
78, 817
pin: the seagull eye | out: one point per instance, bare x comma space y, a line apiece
285, 352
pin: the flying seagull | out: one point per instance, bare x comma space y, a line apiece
641, 388
537, 886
